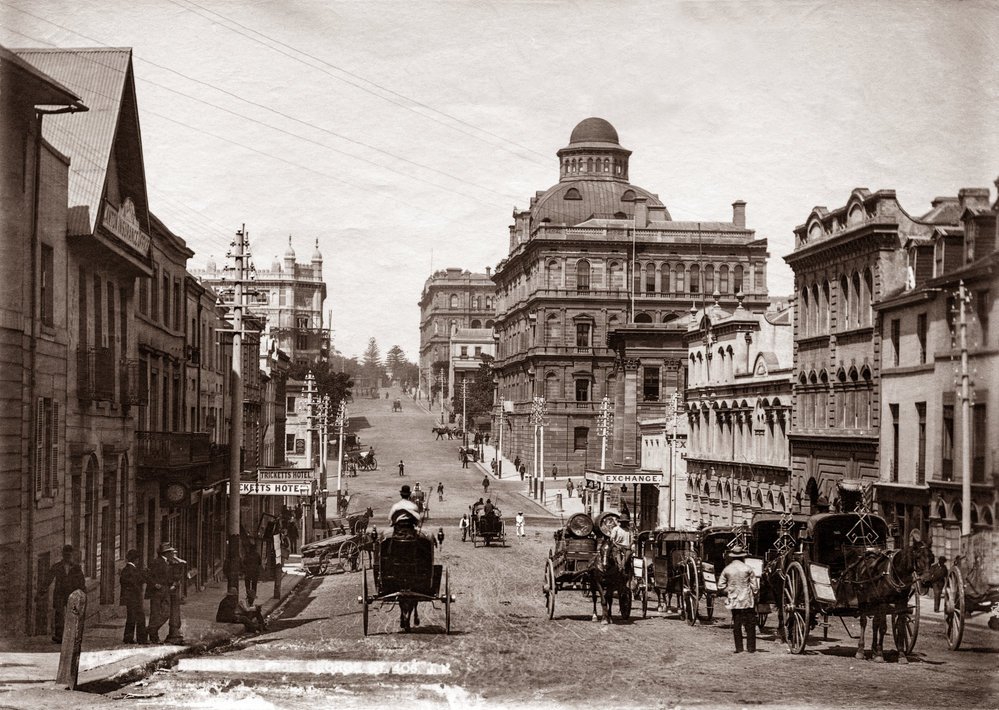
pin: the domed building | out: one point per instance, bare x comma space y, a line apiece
593, 300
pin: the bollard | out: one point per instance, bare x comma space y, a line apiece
558, 502
72, 640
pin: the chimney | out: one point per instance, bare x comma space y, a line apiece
974, 197
641, 212
739, 214
489, 271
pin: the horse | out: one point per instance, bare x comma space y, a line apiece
882, 581
610, 572
408, 608
358, 522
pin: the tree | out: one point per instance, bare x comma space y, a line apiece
336, 384
394, 361
372, 356
478, 392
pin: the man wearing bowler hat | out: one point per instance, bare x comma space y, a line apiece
742, 586
163, 592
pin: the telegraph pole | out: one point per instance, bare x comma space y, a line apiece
965, 414
464, 428
324, 413
240, 257
341, 420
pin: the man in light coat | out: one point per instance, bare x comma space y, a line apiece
742, 586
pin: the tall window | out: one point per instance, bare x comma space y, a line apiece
582, 335
154, 292
616, 280
844, 304
979, 442
921, 337
553, 333
47, 461
99, 340
178, 314
826, 306
48, 285
552, 390
650, 383
552, 275
679, 278
921, 450
582, 275
580, 435
454, 300
896, 338
723, 279
650, 278
709, 279
806, 309
143, 295
82, 307
695, 278
582, 390
737, 278
983, 303
290, 405
894, 442
947, 445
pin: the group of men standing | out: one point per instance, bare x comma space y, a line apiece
160, 584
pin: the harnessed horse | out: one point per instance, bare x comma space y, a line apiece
610, 572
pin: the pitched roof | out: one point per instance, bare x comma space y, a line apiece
51, 93
99, 76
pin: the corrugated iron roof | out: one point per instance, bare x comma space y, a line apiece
58, 95
98, 76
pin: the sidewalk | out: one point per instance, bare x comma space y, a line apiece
28, 665
557, 501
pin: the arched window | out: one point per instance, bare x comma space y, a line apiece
477, 302
628, 196
582, 275
867, 312
650, 278
806, 309
695, 278
723, 279
843, 312
589, 165
709, 279
475, 324
489, 324
826, 307
454, 300
572, 194
737, 278
856, 307
553, 331
643, 318
616, 277
679, 286
606, 165
553, 275
816, 316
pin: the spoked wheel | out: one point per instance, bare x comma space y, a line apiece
324, 564
644, 595
691, 592
447, 603
954, 607
905, 624
624, 602
349, 556
549, 588
761, 619
796, 607
364, 600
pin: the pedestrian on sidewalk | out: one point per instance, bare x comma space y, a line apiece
293, 535
463, 526
516, 463
68, 577
485, 485
440, 538
163, 591
440, 491
251, 571
523, 470
568, 488
402, 468
132, 580
520, 524
742, 587
464, 459
554, 472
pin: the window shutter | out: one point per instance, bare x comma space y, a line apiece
54, 461
39, 445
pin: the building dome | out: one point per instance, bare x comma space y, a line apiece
593, 130
317, 255
289, 253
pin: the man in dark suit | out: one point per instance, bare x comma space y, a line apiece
132, 581
159, 585
68, 576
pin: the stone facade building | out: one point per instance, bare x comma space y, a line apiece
920, 473
739, 410
465, 351
451, 299
593, 255
845, 261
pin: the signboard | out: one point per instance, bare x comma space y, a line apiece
123, 223
250, 488
277, 549
299, 447
656, 478
285, 475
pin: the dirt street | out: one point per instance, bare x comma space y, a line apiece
503, 651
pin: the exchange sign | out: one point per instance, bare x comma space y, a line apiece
656, 478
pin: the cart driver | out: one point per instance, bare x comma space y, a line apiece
621, 534
405, 514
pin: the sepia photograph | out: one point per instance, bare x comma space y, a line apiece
499, 355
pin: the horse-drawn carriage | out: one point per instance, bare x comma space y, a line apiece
771, 536
404, 573
842, 568
967, 589
701, 570
397, 405
364, 460
487, 528
341, 551
670, 551
584, 560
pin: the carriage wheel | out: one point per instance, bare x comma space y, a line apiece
644, 594
624, 602
349, 556
954, 607
761, 619
324, 563
447, 602
364, 601
374, 464
796, 607
905, 624
549, 588
691, 592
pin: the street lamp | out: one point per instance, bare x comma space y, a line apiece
539, 409
464, 428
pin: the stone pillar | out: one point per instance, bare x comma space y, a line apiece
627, 422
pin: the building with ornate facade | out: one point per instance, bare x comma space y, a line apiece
451, 298
924, 422
738, 414
845, 261
289, 297
594, 256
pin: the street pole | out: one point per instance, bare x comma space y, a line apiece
310, 404
464, 428
538, 412
341, 419
965, 415
323, 456
441, 380
236, 435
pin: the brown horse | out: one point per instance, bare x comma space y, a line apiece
610, 572
882, 582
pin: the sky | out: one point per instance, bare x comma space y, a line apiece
402, 135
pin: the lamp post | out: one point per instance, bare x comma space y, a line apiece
606, 426
966, 424
538, 411
440, 380
341, 421
464, 428
669, 431
324, 428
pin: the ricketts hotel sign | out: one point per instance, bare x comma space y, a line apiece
123, 223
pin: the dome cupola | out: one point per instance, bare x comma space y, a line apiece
289, 256
317, 255
593, 153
